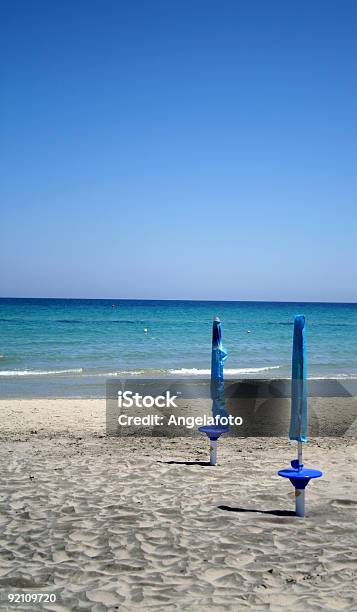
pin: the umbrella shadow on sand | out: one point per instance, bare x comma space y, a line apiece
201, 463
271, 512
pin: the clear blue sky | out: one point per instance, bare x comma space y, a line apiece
179, 149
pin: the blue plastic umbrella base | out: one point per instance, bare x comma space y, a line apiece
300, 478
212, 431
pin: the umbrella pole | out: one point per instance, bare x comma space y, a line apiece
300, 502
213, 452
300, 455
300, 493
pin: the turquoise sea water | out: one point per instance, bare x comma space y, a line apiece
68, 347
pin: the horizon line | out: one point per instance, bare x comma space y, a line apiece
178, 300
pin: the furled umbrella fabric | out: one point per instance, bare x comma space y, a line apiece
219, 412
219, 355
299, 413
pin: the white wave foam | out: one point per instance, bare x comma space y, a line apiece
39, 372
120, 373
228, 371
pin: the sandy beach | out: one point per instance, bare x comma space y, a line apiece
111, 523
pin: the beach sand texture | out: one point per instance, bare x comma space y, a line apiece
116, 524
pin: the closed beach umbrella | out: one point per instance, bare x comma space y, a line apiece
297, 474
219, 355
219, 412
298, 418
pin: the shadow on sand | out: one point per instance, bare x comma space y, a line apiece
204, 463
273, 512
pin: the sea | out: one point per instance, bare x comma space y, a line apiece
69, 347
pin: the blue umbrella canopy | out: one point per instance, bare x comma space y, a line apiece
219, 355
299, 415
